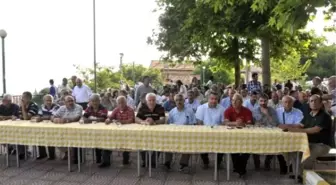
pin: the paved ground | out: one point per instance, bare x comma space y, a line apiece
56, 173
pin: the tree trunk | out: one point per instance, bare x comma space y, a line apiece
265, 60
235, 47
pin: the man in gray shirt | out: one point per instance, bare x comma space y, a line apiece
144, 88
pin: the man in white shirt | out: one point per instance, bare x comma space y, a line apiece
81, 93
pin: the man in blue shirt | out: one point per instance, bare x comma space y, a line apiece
210, 114
288, 117
170, 103
226, 102
252, 102
180, 115
191, 102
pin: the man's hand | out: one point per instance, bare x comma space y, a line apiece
150, 121
240, 122
14, 118
36, 119
59, 120
293, 130
108, 121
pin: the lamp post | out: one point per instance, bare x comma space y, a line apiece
133, 73
3, 35
120, 67
94, 47
203, 74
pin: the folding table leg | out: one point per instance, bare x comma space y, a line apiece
17, 156
150, 164
69, 160
227, 167
138, 163
297, 166
216, 167
7, 155
79, 160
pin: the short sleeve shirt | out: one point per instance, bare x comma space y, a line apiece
122, 115
44, 111
32, 109
144, 112
64, 112
184, 117
210, 116
169, 105
263, 119
295, 116
323, 120
11, 110
194, 105
101, 113
245, 114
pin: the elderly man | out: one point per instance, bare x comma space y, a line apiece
45, 113
226, 102
150, 113
274, 101
129, 99
191, 102
297, 104
265, 115
303, 97
317, 125
123, 114
70, 112
198, 96
210, 114
180, 115
289, 117
81, 93
63, 86
332, 95
95, 112
254, 84
8, 110
238, 116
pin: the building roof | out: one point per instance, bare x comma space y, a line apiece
178, 66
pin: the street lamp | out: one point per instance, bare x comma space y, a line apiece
120, 67
3, 35
203, 74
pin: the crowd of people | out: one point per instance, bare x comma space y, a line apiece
288, 108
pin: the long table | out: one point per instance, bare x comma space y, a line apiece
164, 138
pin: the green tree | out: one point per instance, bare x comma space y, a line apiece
136, 72
107, 77
220, 71
289, 68
324, 63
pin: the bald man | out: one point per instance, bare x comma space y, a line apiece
81, 93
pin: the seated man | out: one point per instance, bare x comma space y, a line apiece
130, 101
95, 112
45, 113
170, 103
210, 114
180, 115
27, 110
289, 117
70, 112
265, 115
150, 113
191, 102
8, 110
123, 114
239, 116
317, 124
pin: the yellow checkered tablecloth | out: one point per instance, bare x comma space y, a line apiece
167, 138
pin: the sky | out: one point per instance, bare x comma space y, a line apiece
47, 37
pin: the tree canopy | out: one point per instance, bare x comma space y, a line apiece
107, 77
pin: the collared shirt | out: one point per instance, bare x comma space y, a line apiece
263, 119
44, 111
254, 86
210, 116
64, 112
249, 105
169, 105
184, 117
225, 103
31, 109
101, 113
139, 91
82, 94
11, 110
53, 91
200, 98
122, 115
144, 112
273, 105
323, 120
194, 105
295, 116
245, 114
